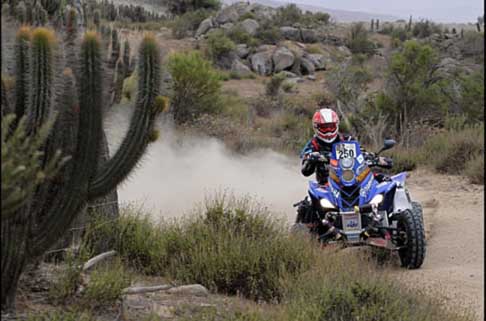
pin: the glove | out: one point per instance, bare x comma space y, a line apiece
385, 162
317, 157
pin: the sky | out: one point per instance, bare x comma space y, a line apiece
437, 10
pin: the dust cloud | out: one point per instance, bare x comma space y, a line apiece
179, 171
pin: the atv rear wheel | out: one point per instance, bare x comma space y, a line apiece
411, 238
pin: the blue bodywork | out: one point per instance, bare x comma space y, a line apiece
359, 190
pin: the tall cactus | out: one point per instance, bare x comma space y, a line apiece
78, 132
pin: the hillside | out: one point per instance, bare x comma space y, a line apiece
338, 15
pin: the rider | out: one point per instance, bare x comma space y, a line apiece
325, 123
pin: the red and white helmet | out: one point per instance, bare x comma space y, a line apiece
326, 124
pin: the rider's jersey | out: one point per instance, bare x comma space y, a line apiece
316, 145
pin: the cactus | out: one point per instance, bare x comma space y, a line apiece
21, 12
78, 132
478, 26
377, 25
97, 19
115, 48
372, 25
51, 6
128, 68
409, 26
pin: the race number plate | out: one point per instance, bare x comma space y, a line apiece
351, 222
345, 151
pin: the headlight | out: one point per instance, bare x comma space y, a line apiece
377, 199
347, 163
326, 204
348, 175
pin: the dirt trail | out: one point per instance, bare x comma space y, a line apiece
454, 219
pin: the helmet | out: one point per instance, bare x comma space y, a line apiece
326, 124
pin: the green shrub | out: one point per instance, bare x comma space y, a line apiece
178, 7
474, 169
137, 239
425, 28
230, 246
347, 287
219, 45
272, 88
69, 277
196, 86
404, 160
358, 41
186, 24
453, 149
248, 15
106, 284
269, 34
238, 35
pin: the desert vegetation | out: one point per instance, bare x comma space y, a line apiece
234, 246
251, 76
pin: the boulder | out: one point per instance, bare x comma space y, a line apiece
308, 35
250, 26
290, 33
204, 27
240, 69
261, 63
227, 26
228, 14
345, 50
319, 61
265, 48
289, 74
242, 51
283, 58
307, 66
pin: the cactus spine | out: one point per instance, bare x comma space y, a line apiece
78, 131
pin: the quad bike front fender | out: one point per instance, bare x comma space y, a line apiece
401, 200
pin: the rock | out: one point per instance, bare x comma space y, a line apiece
227, 26
260, 11
308, 35
307, 66
266, 48
193, 289
295, 80
261, 63
318, 60
291, 33
228, 14
345, 50
204, 27
289, 74
240, 69
250, 26
311, 77
242, 51
282, 59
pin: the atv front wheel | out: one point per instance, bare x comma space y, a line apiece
411, 238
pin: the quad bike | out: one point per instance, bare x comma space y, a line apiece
356, 208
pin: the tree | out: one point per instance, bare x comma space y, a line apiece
196, 86
414, 84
